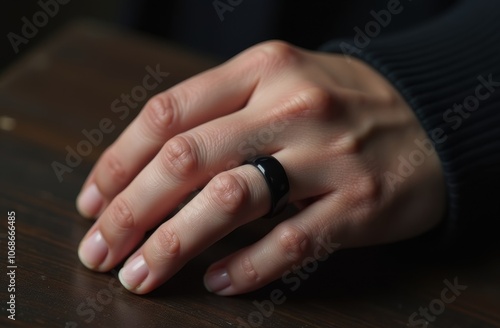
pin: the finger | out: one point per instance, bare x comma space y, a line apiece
215, 93
184, 163
212, 94
295, 243
230, 200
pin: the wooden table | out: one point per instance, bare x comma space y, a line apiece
68, 84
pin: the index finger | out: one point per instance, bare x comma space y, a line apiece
212, 94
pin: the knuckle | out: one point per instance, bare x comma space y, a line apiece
274, 54
389, 98
277, 49
159, 113
320, 99
179, 157
294, 243
229, 193
367, 192
249, 270
311, 102
354, 141
165, 244
121, 216
114, 167
349, 144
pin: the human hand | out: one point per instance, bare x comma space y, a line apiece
336, 127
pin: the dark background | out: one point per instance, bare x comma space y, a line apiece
196, 25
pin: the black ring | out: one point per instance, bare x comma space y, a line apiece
276, 180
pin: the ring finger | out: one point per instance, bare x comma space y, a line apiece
231, 199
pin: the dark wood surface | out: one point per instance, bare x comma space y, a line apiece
68, 84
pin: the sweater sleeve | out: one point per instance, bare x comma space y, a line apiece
448, 71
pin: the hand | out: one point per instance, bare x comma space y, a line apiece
337, 127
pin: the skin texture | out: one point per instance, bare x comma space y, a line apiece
334, 123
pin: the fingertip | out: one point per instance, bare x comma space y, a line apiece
90, 201
218, 282
93, 251
133, 275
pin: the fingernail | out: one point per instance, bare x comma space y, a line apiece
131, 258
134, 273
217, 280
93, 251
90, 201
